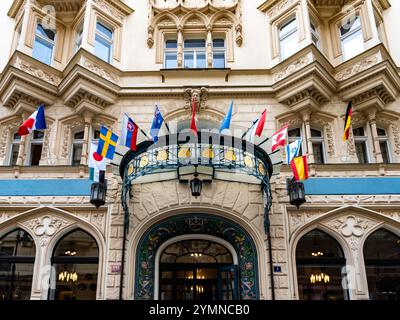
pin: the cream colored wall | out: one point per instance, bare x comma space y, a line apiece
7, 33
392, 27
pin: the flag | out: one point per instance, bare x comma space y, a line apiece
347, 122
107, 143
258, 126
36, 121
157, 123
193, 121
279, 138
97, 164
129, 133
226, 123
292, 150
300, 168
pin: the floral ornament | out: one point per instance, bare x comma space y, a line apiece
352, 227
45, 227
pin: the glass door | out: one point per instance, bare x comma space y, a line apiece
228, 283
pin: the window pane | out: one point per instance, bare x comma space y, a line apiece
104, 30
36, 153
218, 43
189, 60
315, 39
384, 151
38, 134
16, 136
45, 33
295, 133
96, 134
219, 60
42, 50
79, 242
102, 49
76, 154
289, 45
315, 133
361, 152
171, 44
195, 43
14, 154
287, 28
200, 60
353, 45
16, 281
78, 135
381, 132
17, 243
359, 132
351, 25
170, 60
318, 153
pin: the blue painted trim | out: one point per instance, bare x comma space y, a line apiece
355, 186
45, 187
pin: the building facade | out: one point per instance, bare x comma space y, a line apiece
91, 61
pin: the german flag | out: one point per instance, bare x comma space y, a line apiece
347, 122
299, 168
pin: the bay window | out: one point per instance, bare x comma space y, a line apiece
288, 38
103, 42
315, 35
44, 44
78, 38
351, 37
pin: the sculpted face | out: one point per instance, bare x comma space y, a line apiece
196, 96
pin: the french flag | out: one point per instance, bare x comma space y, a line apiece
258, 126
36, 121
129, 133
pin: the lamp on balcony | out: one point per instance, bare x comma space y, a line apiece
98, 193
296, 193
196, 184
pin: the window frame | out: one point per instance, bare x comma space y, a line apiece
348, 35
35, 141
170, 51
288, 35
315, 32
13, 142
217, 50
195, 51
76, 142
385, 139
78, 34
321, 141
104, 40
44, 41
362, 139
293, 139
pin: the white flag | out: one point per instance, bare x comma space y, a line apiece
97, 163
292, 150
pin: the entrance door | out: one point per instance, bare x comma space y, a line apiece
197, 270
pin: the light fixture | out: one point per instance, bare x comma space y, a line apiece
70, 253
196, 185
296, 193
66, 276
318, 278
317, 253
98, 193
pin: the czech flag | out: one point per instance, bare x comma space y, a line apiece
193, 121
347, 122
279, 138
299, 168
129, 133
258, 126
36, 121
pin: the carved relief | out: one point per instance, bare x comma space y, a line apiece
47, 154
100, 71
68, 128
329, 136
200, 96
5, 129
39, 73
396, 138
357, 68
110, 10
47, 225
295, 66
280, 7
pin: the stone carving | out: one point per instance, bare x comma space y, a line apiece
351, 225
280, 7
396, 138
68, 128
295, 66
351, 147
5, 129
44, 241
47, 225
98, 219
101, 71
47, 153
329, 136
39, 73
200, 96
110, 10
357, 68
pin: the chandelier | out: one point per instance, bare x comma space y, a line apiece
318, 278
199, 289
66, 276
317, 254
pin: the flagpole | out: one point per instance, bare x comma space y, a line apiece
254, 122
138, 127
265, 140
166, 125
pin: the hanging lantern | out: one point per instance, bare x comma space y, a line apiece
98, 194
195, 186
296, 193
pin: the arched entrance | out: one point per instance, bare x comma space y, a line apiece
182, 252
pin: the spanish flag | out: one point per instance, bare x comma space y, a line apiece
299, 168
347, 122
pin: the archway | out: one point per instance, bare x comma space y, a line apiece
240, 257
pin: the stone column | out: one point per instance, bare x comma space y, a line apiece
306, 120
209, 48
87, 117
377, 148
180, 48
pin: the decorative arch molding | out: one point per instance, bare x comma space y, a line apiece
201, 223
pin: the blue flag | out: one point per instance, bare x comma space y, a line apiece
292, 150
226, 123
157, 123
107, 143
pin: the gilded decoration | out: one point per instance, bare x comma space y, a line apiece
196, 224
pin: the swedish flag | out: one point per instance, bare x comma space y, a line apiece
107, 143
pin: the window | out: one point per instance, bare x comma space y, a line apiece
75, 261
171, 54
78, 38
288, 38
103, 42
360, 142
384, 145
382, 264
17, 257
319, 262
219, 53
44, 44
77, 144
194, 53
351, 38
36, 148
14, 149
293, 135
317, 145
314, 35
96, 136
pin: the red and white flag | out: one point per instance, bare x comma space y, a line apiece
258, 126
193, 121
36, 121
279, 138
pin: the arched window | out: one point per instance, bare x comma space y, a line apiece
382, 264
317, 141
17, 257
319, 261
75, 261
77, 144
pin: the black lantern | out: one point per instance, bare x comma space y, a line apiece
296, 193
195, 186
98, 193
